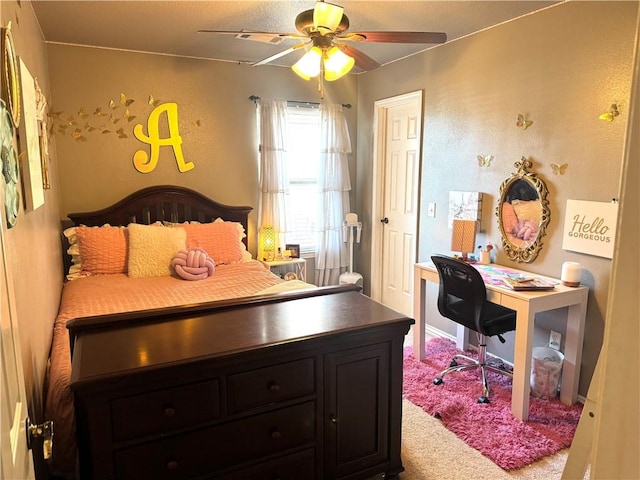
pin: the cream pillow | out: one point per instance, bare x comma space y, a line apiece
151, 249
531, 210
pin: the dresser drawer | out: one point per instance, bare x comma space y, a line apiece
165, 410
265, 386
223, 446
297, 466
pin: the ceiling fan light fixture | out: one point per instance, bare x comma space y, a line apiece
327, 17
309, 65
337, 64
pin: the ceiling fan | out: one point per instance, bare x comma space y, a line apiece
324, 30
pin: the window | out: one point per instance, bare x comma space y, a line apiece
303, 155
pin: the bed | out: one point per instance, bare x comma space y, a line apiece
120, 275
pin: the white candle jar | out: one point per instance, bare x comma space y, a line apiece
571, 274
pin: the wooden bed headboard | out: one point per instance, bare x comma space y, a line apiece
163, 203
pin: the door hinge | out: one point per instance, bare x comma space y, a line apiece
42, 430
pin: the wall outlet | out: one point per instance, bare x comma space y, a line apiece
554, 340
431, 210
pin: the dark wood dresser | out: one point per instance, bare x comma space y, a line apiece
309, 388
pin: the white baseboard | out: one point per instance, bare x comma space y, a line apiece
436, 332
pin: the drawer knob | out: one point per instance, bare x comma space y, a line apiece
274, 387
333, 419
172, 465
169, 411
276, 434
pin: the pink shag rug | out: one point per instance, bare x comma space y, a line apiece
489, 428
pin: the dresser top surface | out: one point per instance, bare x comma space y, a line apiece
109, 351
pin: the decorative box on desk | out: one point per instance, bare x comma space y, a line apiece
282, 267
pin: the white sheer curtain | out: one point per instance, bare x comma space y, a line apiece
274, 182
334, 185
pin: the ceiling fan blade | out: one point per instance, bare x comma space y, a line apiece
363, 61
397, 37
279, 54
254, 32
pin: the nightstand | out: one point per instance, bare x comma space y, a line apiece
293, 265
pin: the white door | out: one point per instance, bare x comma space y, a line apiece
16, 462
397, 171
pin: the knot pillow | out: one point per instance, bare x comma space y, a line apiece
193, 264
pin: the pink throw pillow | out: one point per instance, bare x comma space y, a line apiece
103, 250
193, 264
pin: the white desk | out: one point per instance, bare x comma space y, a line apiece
526, 304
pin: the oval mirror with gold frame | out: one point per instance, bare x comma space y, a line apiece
523, 213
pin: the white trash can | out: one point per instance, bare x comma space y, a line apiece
545, 372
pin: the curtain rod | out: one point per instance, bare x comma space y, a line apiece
297, 103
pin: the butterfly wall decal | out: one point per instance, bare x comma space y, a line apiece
611, 114
125, 101
522, 122
78, 136
484, 160
128, 116
559, 169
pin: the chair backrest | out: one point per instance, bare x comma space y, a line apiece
462, 295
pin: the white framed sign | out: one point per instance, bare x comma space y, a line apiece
590, 227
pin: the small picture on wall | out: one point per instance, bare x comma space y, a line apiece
294, 250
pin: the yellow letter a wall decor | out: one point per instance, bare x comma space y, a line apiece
141, 160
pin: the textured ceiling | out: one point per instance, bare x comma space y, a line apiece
171, 27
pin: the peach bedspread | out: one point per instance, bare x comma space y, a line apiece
106, 294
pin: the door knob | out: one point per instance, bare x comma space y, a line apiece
384, 220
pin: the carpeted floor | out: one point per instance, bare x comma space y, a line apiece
431, 452
489, 428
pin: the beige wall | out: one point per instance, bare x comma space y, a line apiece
33, 245
99, 171
555, 67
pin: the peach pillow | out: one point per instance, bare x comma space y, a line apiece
152, 248
221, 240
103, 250
509, 219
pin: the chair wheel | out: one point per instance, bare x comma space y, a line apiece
453, 363
437, 381
483, 399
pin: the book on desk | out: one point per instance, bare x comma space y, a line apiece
529, 283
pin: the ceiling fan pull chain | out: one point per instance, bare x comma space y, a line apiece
321, 80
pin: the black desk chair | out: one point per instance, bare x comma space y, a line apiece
463, 298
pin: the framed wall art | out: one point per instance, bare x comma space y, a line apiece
30, 143
10, 83
43, 132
